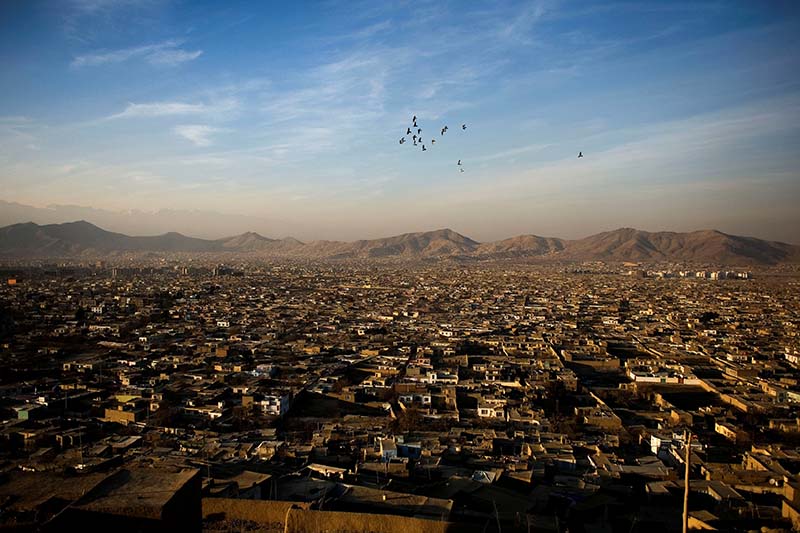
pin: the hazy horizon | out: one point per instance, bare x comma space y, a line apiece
189, 223
148, 116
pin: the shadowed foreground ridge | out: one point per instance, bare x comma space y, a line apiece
81, 238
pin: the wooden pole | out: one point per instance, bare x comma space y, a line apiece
497, 516
686, 483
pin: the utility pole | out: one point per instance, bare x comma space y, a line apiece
686, 483
80, 446
497, 516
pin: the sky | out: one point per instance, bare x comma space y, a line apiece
285, 117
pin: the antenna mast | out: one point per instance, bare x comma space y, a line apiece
686, 483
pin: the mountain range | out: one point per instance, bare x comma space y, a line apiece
82, 239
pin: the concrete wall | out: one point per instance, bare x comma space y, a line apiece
293, 517
270, 515
303, 521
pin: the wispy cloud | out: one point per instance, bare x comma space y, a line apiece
165, 109
199, 134
167, 53
160, 109
14, 120
520, 27
174, 56
354, 93
513, 152
89, 21
703, 135
332, 104
372, 30
666, 153
93, 6
16, 132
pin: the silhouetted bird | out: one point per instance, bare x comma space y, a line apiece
459, 162
444, 130
433, 141
461, 169
402, 140
415, 143
414, 137
580, 154
419, 130
414, 119
408, 131
463, 126
423, 148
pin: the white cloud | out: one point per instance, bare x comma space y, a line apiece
14, 120
374, 29
665, 153
114, 56
163, 109
160, 109
520, 27
16, 131
199, 134
174, 56
167, 53
93, 6
512, 152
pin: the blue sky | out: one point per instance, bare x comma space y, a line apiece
289, 114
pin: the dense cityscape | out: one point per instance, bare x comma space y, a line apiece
430, 266
502, 396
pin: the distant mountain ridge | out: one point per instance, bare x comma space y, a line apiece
522, 245
444, 242
76, 239
83, 238
628, 244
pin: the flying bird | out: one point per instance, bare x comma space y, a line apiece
433, 141
423, 148
402, 140
414, 119
414, 137
419, 130
580, 154
444, 130
408, 131
459, 162
461, 169
463, 126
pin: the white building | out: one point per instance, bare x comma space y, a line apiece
276, 404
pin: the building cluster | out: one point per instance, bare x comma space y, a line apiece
433, 397
699, 274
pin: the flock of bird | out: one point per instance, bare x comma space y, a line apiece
416, 137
